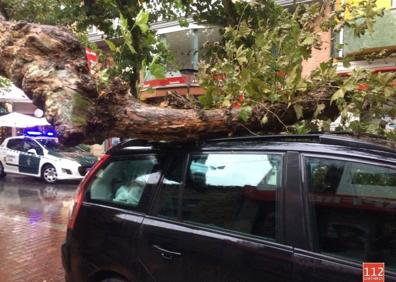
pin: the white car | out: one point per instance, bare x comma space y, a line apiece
43, 158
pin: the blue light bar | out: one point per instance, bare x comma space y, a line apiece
34, 133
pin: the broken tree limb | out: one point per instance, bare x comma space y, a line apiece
49, 65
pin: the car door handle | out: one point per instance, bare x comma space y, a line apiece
166, 254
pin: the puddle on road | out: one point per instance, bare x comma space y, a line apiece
35, 202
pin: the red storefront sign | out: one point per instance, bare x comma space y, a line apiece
175, 80
92, 59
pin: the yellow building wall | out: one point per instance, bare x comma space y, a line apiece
387, 4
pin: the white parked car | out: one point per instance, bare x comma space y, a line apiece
43, 157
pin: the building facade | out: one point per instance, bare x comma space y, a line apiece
186, 44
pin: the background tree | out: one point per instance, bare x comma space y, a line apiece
259, 60
44, 11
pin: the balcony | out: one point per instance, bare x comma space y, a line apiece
186, 44
383, 37
182, 82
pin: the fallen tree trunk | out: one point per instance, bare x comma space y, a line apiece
49, 65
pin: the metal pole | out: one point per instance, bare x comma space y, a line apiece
195, 46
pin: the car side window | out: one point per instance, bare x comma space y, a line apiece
125, 182
234, 192
30, 144
15, 144
353, 208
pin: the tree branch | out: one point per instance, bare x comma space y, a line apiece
48, 63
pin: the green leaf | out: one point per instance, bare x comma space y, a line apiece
319, 109
183, 23
123, 24
264, 120
389, 92
142, 21
301, 128
104, 76
129, 44
299, 111
126, 34
226, 103
245, 113
4, 82
346, 61
309, 40
349, 85
302, 86
293, 76
244, 29
206, 100
157, 70
339, 94
241, 55
111, 45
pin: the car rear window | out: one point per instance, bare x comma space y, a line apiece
124, 182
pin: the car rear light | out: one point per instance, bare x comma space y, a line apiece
81, 191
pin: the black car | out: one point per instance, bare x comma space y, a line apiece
270, 208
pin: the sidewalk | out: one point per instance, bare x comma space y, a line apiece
29, 250
33, 219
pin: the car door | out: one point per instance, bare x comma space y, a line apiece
109, 220
29, 163
11, 160
218, 219
351, 217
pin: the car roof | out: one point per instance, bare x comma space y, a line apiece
369, 146
15, 137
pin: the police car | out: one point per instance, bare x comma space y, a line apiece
43, 157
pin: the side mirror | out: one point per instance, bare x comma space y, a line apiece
32, 152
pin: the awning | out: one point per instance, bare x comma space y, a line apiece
13, 94
21, 121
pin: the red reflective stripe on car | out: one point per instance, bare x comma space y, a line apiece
81, 190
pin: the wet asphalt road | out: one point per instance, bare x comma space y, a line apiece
33, 219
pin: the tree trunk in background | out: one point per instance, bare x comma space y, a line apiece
49, 65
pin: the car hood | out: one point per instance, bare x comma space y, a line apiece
84, 159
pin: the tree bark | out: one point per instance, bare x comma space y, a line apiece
49, 65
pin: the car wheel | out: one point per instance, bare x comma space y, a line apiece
49, 174
2, 173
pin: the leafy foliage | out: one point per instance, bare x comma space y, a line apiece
4, 82
261, 61
256, 66
44, 11
131, 44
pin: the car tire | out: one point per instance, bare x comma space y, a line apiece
48, 174
2, 173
